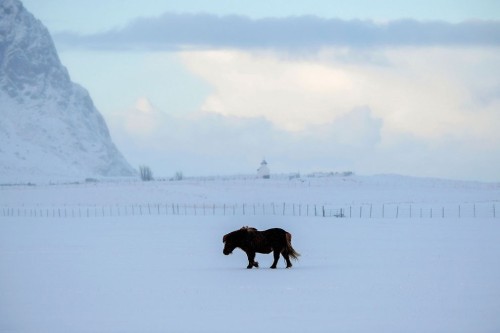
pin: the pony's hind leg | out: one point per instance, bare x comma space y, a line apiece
276, 255
287, 259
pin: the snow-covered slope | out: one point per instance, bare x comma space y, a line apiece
49, 126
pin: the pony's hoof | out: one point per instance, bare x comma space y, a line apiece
273, 267
256, 264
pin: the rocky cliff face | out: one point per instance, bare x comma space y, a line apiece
49, 126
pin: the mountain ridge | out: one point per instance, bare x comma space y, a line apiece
49, 126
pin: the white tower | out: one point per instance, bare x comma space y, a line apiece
263, 171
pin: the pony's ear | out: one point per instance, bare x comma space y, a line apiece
224, 239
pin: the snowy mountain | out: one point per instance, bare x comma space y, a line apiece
49, 126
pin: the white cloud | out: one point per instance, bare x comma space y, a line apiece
143, 119
426, 92
291, 94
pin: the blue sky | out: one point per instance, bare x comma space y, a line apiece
212, 87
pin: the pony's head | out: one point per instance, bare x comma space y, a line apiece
234, 239
230, 243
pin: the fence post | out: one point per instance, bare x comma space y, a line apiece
309, 210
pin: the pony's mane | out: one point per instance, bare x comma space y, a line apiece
232, 234
247, 228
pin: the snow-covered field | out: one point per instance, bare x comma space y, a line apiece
342, 190
167, 273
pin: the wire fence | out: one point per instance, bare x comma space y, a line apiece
361, 211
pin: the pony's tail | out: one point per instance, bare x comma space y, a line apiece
289, 249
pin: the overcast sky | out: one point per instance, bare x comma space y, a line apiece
213, 87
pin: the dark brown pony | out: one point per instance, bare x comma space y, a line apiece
253, 241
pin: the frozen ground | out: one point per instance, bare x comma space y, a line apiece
158, 274
168, 273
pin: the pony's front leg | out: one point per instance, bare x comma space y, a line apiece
251, 260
